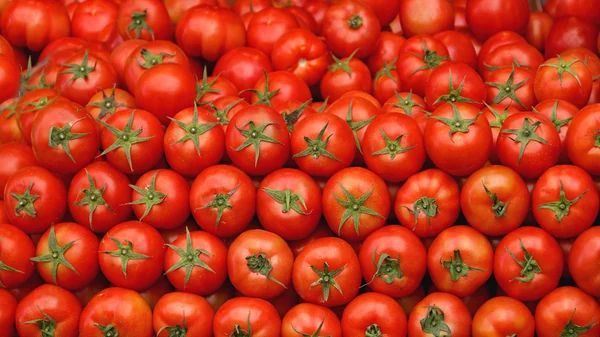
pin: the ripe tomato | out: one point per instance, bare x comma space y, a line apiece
517, 54
308, 318
210, 88
327, 272
9, 127
481, 16
108, 101
293, 111
96, 20
565, 201
14, 156
511, 87
527, 263
503, 316
279, 87
496, 120
184, 315
429, 17
7, 314
48, 310
568, 310
116, 312
440, 313
267, 26
581, 261
561, 113
9, 78
409, 104
386, 82
345, 75
551, 83
528, 143
352, 28
495, 41
538, 29
570, 32
16, 251
386, 51
355, 194
34, 199
30, 104
583, 139
144, 19
460, 48
495, 200
246, 315
460, 260
66, 256
243, 66
224, 108
373, 314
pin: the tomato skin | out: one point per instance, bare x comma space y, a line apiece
386, 50
243, 66
398, 243
376, 309
119, 56
409, 104
307, 317
566, 305
522, 88
175, 308
246, 312
177, 8
288, 86
577, 217
7, 314
59, 304
50, 206
429, 17
495, 41
123, 309
437, 90
518, 54
456, 315
10, 75
581, 138
336, 253
501, 317
480, 14
9, 126
96, 20
570, 32
267, 26
336, 81
156, 22
543, 248
561, 113
478, 207
14, 156
16, 250
584, 252
29, 106
459, 46
538, 28
574, 89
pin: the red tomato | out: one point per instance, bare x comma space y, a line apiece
511, 87
246, 315
570, 32
496, 114
267, 26
9, 126
459, 46
567, 310
581, 261
551, 82
144, 19
108, 101
120, 55
583, 139
426, 17
560, 113
538, 29
495, 41
440, 313
386, 82
345, 75
308, 318
183, 314
224, 108
10, 75
372, 314
454, 83
518, 54
30, 104
279, 87
243, 66
482, 16
177, 8
16, 251
14, 156
7, 314
409, 104
96, 20
210, 88
386, 51
503, 316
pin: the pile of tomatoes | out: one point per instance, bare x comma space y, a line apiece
267, 168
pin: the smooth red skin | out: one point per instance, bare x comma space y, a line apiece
358, 181
7, 314
264, 319
526, 93
3, 215
439, 82
97, 21
384, 10
305, 20
386, 50
290, 225
222, 102
10, 75
177, 8
175, 308
403, 165
290, 86
246, 6
222, 86
537, 157
14, 156
426, 17
267, 26
243, 66
7, 49
9, 127
123, 100
124, 309
82, 256
481, 13
56, 302
144, 155
335, 83
545, 251
317, 8
307, 317
495, 41
336, 253
410, 60
432, 183
456, 313
209, 32
222, 179
564, 305
50, 206
395, 241
549, 86
510, 110
417, 112
580, 139
120, 54
202, 281
581, 261
29, 106
476, 251
581, 215
584, 11
476, 204
374, 308
301, 53
385, 86
157, 19
501, 317
564, 110
459, 46
34, 23
570, 32
342, 39
16, 250
141, 273
505, 56
538, 29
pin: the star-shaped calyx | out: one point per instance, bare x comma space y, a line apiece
354, 208
508, 89
457, 267
562, 206
193, 130
454, 95
108, 105
205, 87
288, 200
498, 207
221, 114
25, 202
317, 333
138, 23
81, 70
529, 266
150, 59
338, 64
355, 126
265, 96
190, 258
433, 322
406, 104
426, 205
62, 136
327, 280
47, 325
56, 255
457, 123
431, 58
220, 203
387, 268
499, 118
525, 134
150, 196
254, 136
93, 197
563, 67
175, 330
392, 147
7, 268
573, 330
125, 252
317, 147
558, 123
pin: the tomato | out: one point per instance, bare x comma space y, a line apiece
10, 75
34, 23
428, 202
526, 263
48, 310
440, 313
387, 50
581, 259
503, 316
538, 29
583, 139
570, 32
34, 199
460, 48
144, 19
177, 8
120, 55
66, 256
305, 19
352, 28
227, 32
29, 106
481, 16
96, 20
14, 157
7, 314
552, 83
355, 194
9, 127
327, 272
16, 250
409, 104
132, 140
565, 201
568, 310
496, 114
279, 87
386, 82
497, 40
528, 143
372, 314
417, 59
210, 88
245, 315
495, 200
224, 108
267, 26
116, 312
108, 101
244, 67
344, 75
308, 318
511, 87
183, 314
429, 17
561, 113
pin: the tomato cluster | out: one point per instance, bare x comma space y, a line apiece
289, 168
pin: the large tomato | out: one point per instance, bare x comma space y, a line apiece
9, 78
244, 66
482, 16
583, 139
511, 87
426, 17
460, 47
517, 54
374, 314
308, 318
345, 75
96, 20
14, 156
454, 83
183, 314
440, 314
29, 106
503, 316
409, 104
581, 261
279, 87
560, 113
7, 314
144, 19
565, 78
567, 310
267, 26
16, 251
570, 32
108, 101
247, 316
387, 50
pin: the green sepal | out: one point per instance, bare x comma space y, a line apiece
457, 267
317, 147
563, 205
220, 202
190, 258
254, 136
56, 256
62, 137
259, 263
354, 208
327, 280
25, 202
125, 253
526, 134
529, 266
138, 23
193, 130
